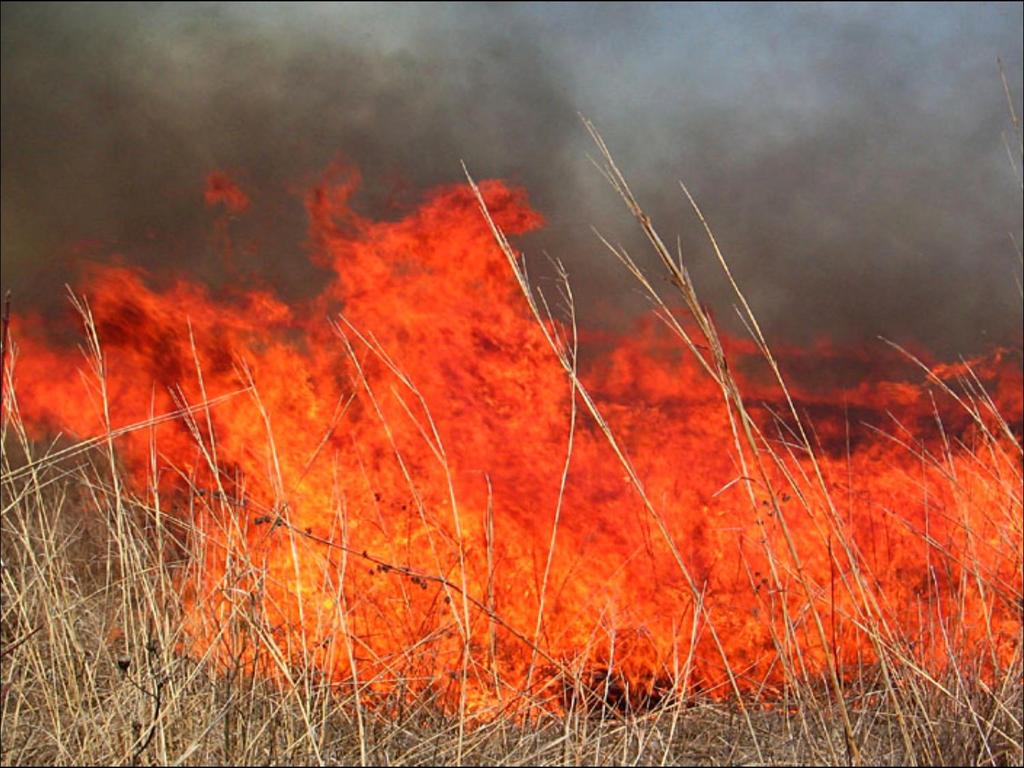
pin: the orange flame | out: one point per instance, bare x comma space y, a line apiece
381, 492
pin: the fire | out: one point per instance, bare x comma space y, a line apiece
222, 190
376, 491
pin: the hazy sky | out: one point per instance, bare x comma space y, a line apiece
849, 156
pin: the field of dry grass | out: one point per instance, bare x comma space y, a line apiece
94, 673
98, 666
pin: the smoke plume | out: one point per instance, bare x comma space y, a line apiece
849, 158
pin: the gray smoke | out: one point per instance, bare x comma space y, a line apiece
849, 157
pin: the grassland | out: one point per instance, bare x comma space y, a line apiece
97, 667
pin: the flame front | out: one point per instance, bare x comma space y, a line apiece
403, 497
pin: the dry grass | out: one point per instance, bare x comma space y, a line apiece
93, 674
97, 667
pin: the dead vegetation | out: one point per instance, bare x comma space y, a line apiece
98, 667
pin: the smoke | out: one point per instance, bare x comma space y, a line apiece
849, 158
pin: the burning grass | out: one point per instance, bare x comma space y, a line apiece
424, 532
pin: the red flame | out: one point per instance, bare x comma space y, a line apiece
383, 490
221, 190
